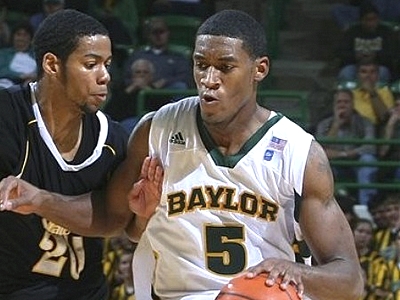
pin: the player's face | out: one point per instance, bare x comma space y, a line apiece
226, 78
86, 72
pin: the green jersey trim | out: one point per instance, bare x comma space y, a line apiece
230, 161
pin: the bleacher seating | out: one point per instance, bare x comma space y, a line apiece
275, 18
293, 104
387, 184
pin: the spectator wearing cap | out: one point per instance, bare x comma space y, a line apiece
49, 7
173, 69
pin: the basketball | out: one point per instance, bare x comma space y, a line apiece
242, 288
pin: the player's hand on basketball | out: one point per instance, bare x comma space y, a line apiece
19, 196
288, 271
145, 194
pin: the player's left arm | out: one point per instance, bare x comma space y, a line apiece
328, 234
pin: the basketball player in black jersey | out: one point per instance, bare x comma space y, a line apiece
53, 135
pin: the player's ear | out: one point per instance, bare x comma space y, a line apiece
50, 63
262, 68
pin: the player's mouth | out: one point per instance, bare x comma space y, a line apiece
208, 98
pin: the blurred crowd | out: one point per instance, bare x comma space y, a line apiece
150, 54
149, 50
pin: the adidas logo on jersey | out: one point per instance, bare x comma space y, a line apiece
177, 138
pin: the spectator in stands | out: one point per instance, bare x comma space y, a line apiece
123, 288
195, 8
391, 131
17, 63
142, 72
392, 256
348, 14
49, 7
122, 105
120, 17
117, 267
372, 100
173, 70
370, 260
377, 210
391, 202
347, 123
109, 261
368, 39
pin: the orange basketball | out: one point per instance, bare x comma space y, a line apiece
242, 288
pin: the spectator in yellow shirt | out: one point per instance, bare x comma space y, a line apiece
371, 100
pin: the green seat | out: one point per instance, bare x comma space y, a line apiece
395, 87
346, 85
14, 17
351, 84
182, 49
293, 104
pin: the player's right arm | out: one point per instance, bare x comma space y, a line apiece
99, 213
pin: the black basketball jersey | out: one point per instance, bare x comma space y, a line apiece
35, 252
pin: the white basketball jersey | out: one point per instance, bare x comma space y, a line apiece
220, 214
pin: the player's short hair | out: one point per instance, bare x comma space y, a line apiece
240, 25
60, 33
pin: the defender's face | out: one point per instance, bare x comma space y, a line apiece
225, 77
86, 74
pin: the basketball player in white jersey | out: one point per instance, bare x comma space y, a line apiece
240, 183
